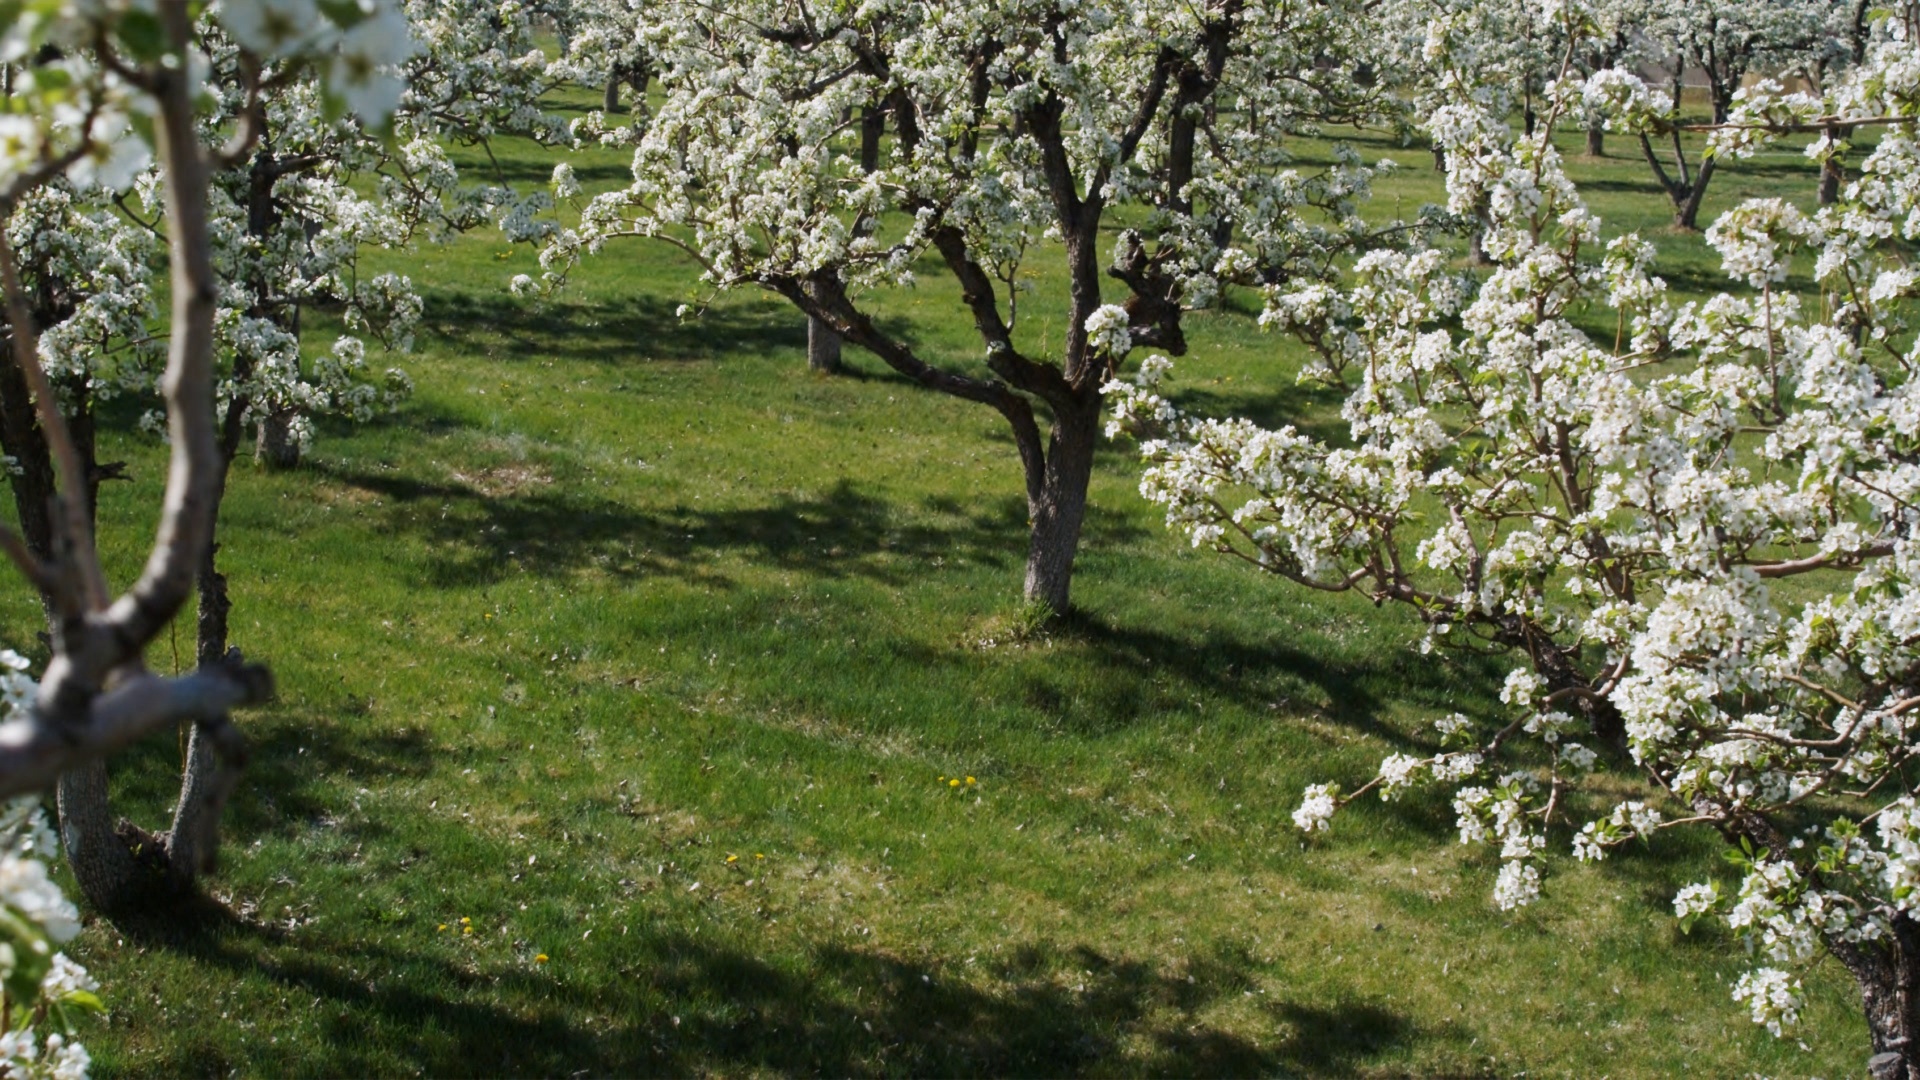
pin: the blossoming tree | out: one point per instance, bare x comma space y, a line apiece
1618, 513
288, 226
93, 88
1722, 43
1016, 126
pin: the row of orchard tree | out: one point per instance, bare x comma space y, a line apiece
824, 151
1608, 512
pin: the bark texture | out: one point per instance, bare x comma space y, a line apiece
276, 447
823, 347
95, 697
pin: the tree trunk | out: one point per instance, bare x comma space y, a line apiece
1830, 174
199, 805
1596, 139
1686, 212
1889, 981
823, 347
277, 447
611, 102
1060, 506
103, 866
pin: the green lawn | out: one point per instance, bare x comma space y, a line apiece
625, 672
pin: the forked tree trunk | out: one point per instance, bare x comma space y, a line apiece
119, 866
1059, 508
635, 78
823, 347
1686, 210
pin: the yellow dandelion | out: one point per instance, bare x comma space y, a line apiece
953, 783
541, 959
439, 928
733, 858
757, 855
465, 921
969, 781
487, 615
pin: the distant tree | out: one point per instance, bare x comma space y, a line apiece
1019, 130
1721, 43
1615, 512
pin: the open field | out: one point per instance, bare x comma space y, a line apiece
625, 674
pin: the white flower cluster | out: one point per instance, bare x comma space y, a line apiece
1773, 996
46, 989
363, 46
1317, 808
1107, 331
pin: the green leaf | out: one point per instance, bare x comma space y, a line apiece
142, 35
345, 14
85, 1000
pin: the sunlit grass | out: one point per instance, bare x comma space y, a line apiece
626, 671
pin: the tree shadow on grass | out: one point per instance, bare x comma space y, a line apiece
643, 326
276, 792
1264, 674
548, 531
1312, 410
685, 1005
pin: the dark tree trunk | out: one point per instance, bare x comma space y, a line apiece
276, 446
1887, 971
823, 344
119, 866
188, 838
196, 815
635, 78
823, 347
1059, 508
1831, 174
33, 479
1596, 139
1890, 996
103, 864
1686, 211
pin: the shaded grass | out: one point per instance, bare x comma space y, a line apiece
645, 651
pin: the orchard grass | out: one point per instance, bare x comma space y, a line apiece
625, 674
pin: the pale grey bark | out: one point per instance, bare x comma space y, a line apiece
95, 697
823, 347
